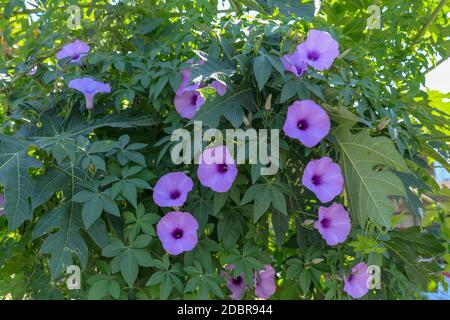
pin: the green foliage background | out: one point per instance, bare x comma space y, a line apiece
78, 187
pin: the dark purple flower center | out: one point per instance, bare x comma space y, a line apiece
175, 194
325, 223
313, 55
75, 57
299, 69
237, 281
316, 180
194, 99
302, 124
222, 168
350, 277
177, 233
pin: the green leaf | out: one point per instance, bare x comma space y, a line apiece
262, 69
129, 268
367, 187
165, 288
14, 165
92, 210
228, 106
278, 200
276, 63
220, 198
66, 241
289, 90
280, 223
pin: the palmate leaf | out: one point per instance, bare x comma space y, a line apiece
407, 246
14, 165
58, 135
228, 106
66, 218
365, 162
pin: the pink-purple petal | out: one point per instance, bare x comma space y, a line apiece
357, 284
307, 122
177, 232
324, 178
319, 50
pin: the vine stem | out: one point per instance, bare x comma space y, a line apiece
430, 20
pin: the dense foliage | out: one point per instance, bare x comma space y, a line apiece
79, 183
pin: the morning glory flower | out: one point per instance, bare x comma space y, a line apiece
357, 283
333, 224
264, 282
177, 232
2, 204
292, 62
171, 190
89, 87
324, 178
75, 50
217, 169
236, 285
307, 122
319, 50
188, 101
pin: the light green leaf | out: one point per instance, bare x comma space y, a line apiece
367, 186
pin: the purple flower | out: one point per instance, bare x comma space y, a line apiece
172, 189
307, 122
216, 169
319, 50
220, 87
178, 232
32, 71
75, 50
264, 281
188, 100
185, 80
333, 224
357, 283
89, 87
324, 178
2, 204
236, 285
294, 63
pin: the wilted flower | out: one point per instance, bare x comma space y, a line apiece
220, 87
307, 122
319, 50
292, 62
217, 169
89, 87
75, 50
324, 178
333, 224
178, 232
236, 285
264, 282
2, 204
171, 190
357, 283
